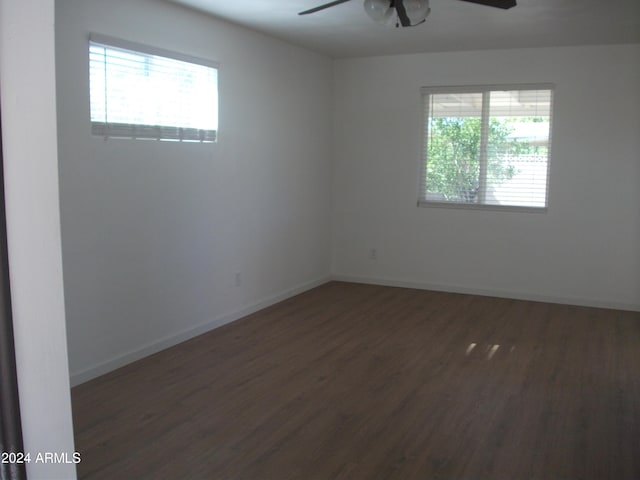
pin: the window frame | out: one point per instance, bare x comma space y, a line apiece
425, 93
127, 131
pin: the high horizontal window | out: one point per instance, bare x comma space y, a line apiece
486, 146
138, 92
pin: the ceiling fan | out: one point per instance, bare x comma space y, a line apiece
409, 12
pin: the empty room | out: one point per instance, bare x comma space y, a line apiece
307, 240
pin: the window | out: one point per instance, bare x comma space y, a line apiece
486, 146
138, 92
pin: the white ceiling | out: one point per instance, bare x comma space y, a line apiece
346, 30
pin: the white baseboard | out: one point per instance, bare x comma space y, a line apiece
121, 360
118, 361
516, 295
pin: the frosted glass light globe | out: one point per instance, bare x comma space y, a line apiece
417, 10
380, 11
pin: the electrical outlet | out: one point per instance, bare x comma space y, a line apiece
373, 254
238, 279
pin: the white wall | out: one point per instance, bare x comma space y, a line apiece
153, 233
585, 250
27, 79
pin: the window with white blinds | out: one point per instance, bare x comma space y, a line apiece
486, 146
142, 93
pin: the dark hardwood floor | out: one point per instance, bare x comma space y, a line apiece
353, 381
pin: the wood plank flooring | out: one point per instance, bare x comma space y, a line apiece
351, 381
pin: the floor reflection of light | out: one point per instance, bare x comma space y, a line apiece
492, 351
487, 348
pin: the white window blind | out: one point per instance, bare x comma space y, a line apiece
486, 146
144, 95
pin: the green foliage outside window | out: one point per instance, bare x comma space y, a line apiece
453, 155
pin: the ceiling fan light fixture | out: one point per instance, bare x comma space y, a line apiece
409, 12
379, 11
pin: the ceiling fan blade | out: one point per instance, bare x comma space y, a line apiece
495, 3
322, 7
403, 16
402, 13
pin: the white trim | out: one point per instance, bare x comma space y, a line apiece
484, 145
486, 88
139, 47
180, 126
32, 195
486, 206
510, 294
552, 116
179, 337
171, 340
426, 93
